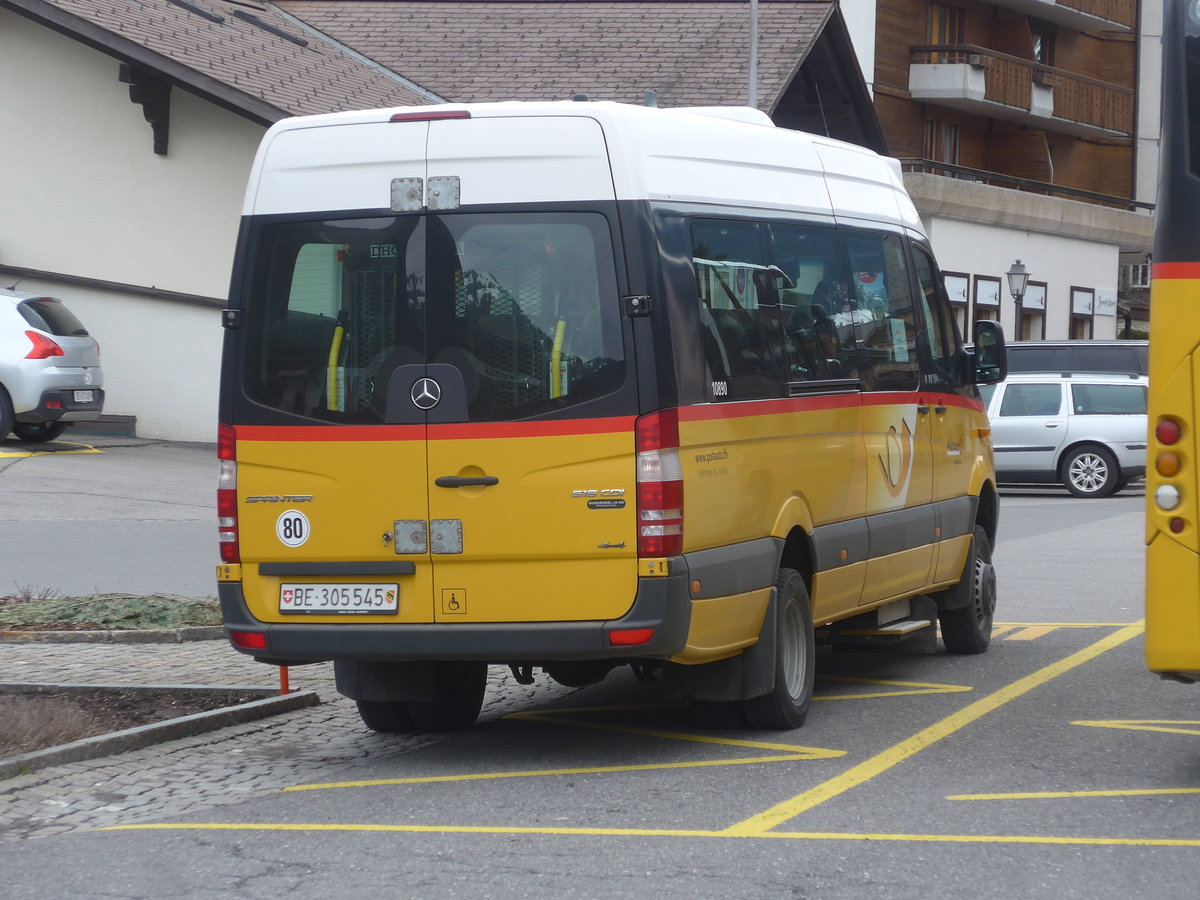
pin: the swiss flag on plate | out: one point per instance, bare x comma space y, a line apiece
287, 597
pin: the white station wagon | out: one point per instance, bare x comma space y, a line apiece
1086, 432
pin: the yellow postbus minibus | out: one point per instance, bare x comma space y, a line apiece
1172, 533
567, 386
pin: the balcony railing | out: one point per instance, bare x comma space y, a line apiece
1009, 81
982, 176
1079, 15
1123, 12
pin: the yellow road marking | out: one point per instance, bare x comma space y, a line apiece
1031, 632
1161, 725
1061, 625
85, 448
673, 832
1069, 795
786, 752
918, 686
897, 753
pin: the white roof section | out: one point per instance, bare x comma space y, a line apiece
574, 151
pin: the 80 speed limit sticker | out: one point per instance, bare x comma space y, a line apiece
292, 527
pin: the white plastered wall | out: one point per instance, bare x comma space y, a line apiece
1060, 262
82, 193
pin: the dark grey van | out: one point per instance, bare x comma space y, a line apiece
1124, 357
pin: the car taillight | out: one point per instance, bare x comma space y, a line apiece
43, 347
659, 485
227, 532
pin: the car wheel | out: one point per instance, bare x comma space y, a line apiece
38, 432
6, 414
967, 628
786, 706
1090, 472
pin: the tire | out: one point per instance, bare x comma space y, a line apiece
39, 432
7, 421
458, 696
786, 706
1090, 472
968, 629
386, 716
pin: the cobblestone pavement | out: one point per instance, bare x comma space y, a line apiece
221, 767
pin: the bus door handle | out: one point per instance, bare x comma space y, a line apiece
457, 481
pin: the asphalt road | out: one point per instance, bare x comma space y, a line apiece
1053, 765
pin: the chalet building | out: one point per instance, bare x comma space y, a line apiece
1028, 131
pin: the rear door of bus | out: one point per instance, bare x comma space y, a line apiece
466, 399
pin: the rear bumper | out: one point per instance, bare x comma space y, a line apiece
662, 604
61, 406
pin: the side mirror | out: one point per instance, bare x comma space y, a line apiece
991, 357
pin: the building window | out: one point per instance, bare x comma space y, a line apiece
1139, 275
945, 24
941, 141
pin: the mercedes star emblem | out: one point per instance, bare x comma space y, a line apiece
426, 393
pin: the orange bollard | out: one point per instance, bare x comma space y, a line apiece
283, 680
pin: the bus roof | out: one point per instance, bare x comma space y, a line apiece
522, 152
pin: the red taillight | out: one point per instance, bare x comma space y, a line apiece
43, 347
630, 637
431, 116
1168, 431
227, 530
659, 485
250, 640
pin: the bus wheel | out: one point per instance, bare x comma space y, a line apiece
795, 660
968, 628
1090, 472
457, 697
386, 716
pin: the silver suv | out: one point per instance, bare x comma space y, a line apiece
1086, 432
49, 368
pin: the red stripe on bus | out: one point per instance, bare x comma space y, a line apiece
462, 431
340, 433
608, 425
1176, 270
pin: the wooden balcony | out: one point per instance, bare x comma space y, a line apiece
1082, 15
986, 82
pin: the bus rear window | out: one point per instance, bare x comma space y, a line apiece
525, 308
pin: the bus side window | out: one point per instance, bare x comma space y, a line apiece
815, 347
884, 313
738, 310
941, 336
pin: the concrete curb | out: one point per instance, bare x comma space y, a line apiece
117, 636
147, 735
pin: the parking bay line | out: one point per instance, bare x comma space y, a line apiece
898, 753
666, 833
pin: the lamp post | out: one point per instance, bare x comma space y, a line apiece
1018, 280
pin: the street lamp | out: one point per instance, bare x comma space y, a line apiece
1018, 280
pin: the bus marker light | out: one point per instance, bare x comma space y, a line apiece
1166, 497
1167, 464
1176, 525
630, 637
250, 640
1168, 431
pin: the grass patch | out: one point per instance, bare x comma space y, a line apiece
26, 612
